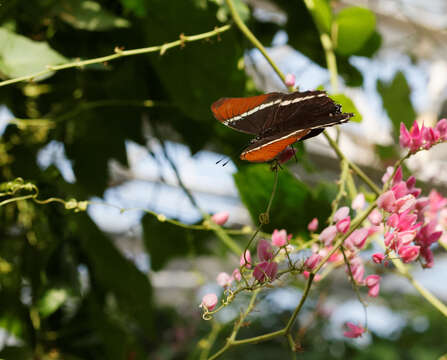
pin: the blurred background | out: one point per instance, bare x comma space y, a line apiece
133, 133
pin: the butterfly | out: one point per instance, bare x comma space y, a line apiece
278, 120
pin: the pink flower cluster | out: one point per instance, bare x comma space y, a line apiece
424, 137
353, 244
412, 223
265, 270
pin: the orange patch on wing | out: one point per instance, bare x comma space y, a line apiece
269, 151
226, 108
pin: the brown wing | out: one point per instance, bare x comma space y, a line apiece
246, 114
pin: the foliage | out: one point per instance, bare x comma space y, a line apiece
66, 290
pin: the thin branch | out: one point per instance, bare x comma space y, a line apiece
119, 54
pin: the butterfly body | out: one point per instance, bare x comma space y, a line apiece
278, 120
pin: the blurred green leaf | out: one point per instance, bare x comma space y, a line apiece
175, 242
138, 7
20, 56
387, 152
354, 26
371, 46
16, 353
294, 205
199, 73
347, 105
116, 274
322, 14
51, 301
89, 15
396, 101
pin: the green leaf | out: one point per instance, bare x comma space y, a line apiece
354, 26
396, 101
51, 301
89, 15
294, 205
347, 105
387, 153
165, 241
199, 73
115, 274
321, 13
20, 56
138, 7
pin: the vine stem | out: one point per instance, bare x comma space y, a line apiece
119, 54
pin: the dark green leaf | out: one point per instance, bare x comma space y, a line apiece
354, 26
396, 101
293, 202
89, 15
116, 274
165, 241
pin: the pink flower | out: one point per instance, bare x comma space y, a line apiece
409, 253
393, 220
436, 200
386, 201
265, 269
407, 202
290, 80
416, 137
428, 235
404, 137
400, 189
313, 225
358, 238
341, 213
246, 259
221, 217
373, 283
312, 261
285, 155
388, 173
224, 280
354, 331
328, 235
375, 217
265, 250
343, 225
317, 277
427, 254
441, 127
209, 301
397, 178
279, 238
236, 275
359, 202
378, 258
357, 269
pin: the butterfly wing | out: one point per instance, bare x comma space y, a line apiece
246, 114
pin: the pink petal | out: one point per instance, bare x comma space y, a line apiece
378, 258
359, 202
313, 225
290, 80
404, 137
265, 250
221, 217
245, 260
209, 301
343, 225
375, 217
341, 213
224, 280
355, 331
386, 201
328, 235
279, 238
